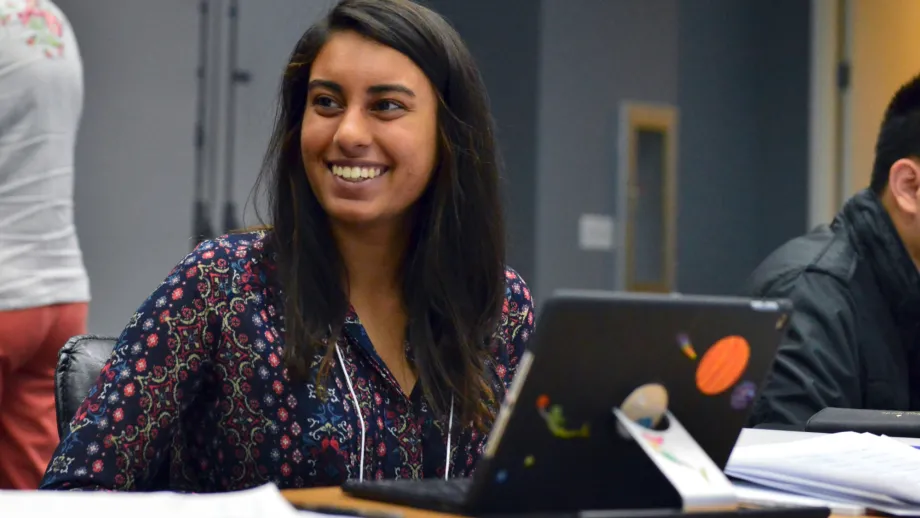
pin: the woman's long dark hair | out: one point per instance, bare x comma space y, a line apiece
453, 274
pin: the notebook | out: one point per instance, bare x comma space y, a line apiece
877, 472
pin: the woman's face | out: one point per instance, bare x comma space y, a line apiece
369, 132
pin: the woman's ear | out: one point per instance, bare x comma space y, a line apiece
904, 183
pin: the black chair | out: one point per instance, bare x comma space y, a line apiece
79, 363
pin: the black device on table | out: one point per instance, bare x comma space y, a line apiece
742, 513
895, 423
589, 351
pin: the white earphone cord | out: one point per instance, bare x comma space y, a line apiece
354, 397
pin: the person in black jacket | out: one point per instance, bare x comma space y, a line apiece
854, 337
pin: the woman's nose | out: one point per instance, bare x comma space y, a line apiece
353, 133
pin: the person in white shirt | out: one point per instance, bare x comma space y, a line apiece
44, 288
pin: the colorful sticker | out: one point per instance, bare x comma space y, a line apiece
781, 321
529, 461
646, 405
722, 365
686, 346
555, 420
743, 395
657, 444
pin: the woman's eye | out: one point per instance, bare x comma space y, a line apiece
387, 106
324, 101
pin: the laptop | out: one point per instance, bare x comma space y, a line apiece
589, 352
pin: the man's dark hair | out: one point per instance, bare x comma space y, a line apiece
899, 136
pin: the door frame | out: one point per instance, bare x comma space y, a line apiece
633, 117
829, 120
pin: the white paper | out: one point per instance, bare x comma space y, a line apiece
251, 503
876, 471
595, 232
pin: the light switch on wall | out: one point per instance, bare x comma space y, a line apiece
595, 232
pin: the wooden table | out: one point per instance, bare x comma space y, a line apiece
333, 496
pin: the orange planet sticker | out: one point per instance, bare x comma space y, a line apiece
722, 365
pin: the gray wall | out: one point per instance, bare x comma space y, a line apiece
594, 54
265, 58
509, 61
718, 148
134, 158
556, 72
738, 72
743, 91
783, 75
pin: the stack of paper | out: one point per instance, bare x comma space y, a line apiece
252, 503
876, 472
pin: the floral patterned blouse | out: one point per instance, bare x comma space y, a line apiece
195, 396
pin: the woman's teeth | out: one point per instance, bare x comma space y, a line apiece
357, 173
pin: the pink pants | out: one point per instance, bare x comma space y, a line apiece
29, 343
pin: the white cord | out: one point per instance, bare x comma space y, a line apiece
357, 409
450, 426
354, 397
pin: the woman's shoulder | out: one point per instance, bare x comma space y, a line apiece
215, 271
237, 249
517, 322
516, 290
225, 265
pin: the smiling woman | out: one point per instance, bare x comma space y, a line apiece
371, 331
369, 133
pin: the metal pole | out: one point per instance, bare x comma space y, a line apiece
201, 224
236, 76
